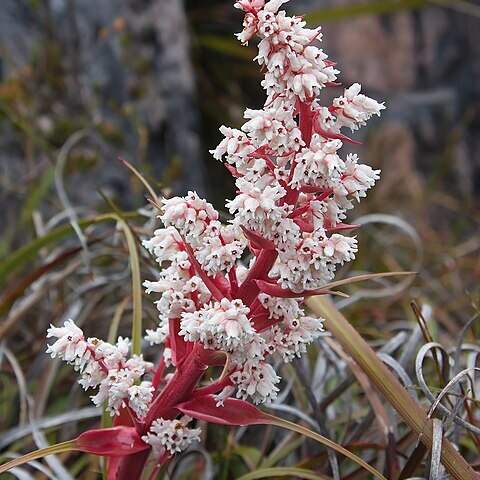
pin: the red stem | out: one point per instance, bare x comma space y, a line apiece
248, 290
131, 467
158, 374
214, 387
180, 387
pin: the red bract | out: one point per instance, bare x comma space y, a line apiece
233, 411
111, 442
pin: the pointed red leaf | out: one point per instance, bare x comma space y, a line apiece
339, 136
342, 226
257, 240
232, 170
233, 411
111, 442
276, 290
305, 225
177, 343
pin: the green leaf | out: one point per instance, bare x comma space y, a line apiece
283, 472
281, 452
372, 8
51, 450
225, 45
136, 287
36, 194
250, 455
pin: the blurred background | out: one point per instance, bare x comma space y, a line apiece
84, 82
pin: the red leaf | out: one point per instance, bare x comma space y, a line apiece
233, 411
276, 290
257, 240
111, 442
339, 136
342, 226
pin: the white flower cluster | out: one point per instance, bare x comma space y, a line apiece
221, 247
224, 326
294, 331
190, 215
105, 366
312, 263
274, 128
294, 67
294, 190
257, 381
353, 109
171, 436
291, 339
297, 71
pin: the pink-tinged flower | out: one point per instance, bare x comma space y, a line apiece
222, 246
190, 215
319, 165
164, 244
257, 208
353, 109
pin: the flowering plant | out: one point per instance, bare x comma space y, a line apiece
231, 295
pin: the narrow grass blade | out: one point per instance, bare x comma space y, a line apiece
389, 386
142, 179
283, 472
136, 287
370, 8
280, 422
52, 450
29, 251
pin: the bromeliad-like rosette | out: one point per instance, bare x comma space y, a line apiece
230, 295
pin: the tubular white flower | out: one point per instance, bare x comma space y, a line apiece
353, 109
236, 147
171, 436
357, 178
139, 398
70, 345
159, 335
281, 307
220, 249
256, 208
190, 215
221, 326
257, 381
227, 392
